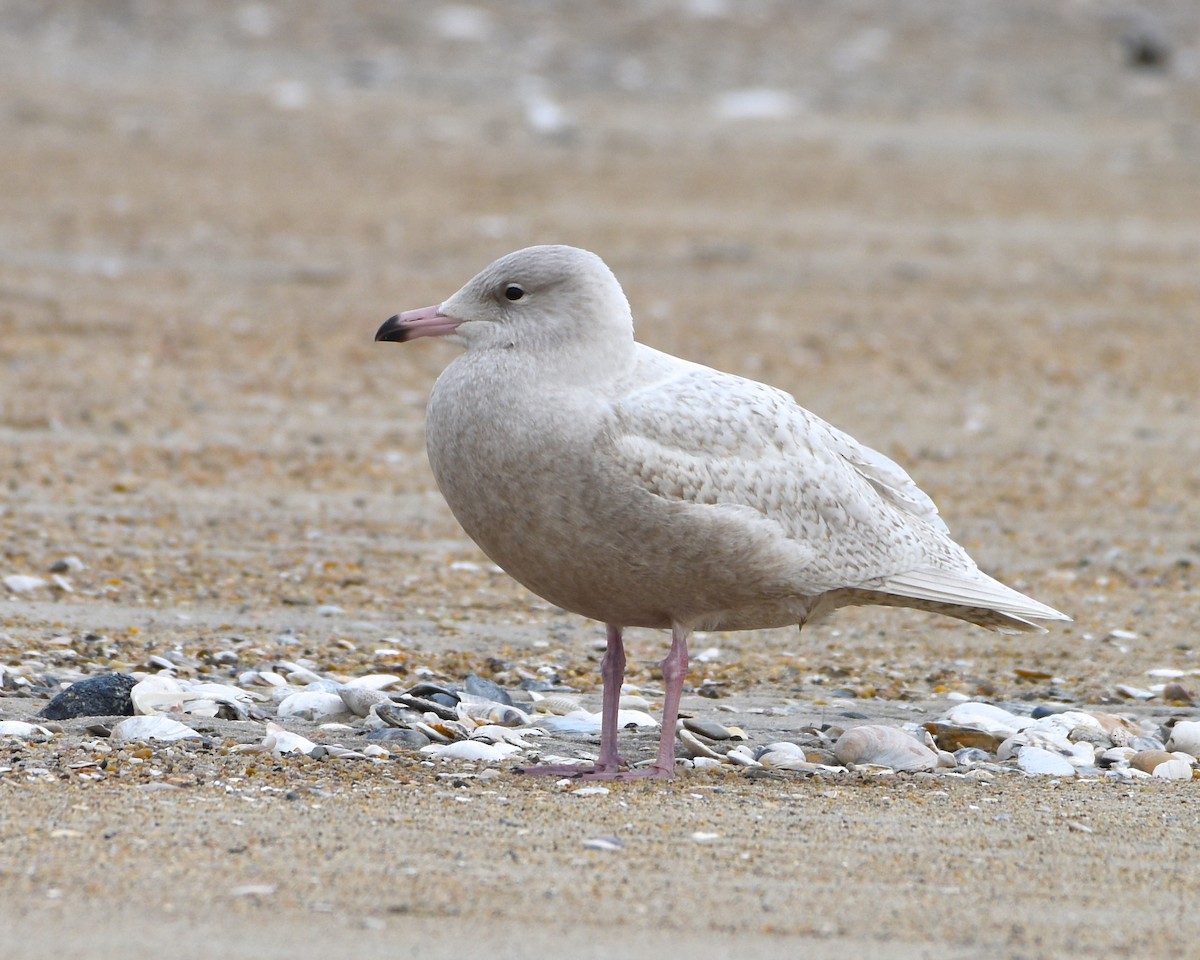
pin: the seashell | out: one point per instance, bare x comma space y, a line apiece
375, 681
297, 674
1159, 763
280, 741
742, 756
490, 711
494, 733
1166, 673
478, 686
1133, 693
578, 722
424, 705
633, 701
22, 583
360, 700
693, 746
883, 746
395, 715
1114, 755
1177, 693
19, 728
954, 737
471, 750
1043, 762
968, 756
709, 729
314, 705
158, 694
431, 732
634, 718
1185, 737
264, 678
558, 704
402, 737
153, 728
427, 690
987, 717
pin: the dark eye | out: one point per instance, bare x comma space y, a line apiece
513, 292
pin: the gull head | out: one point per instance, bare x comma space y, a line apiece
538, 300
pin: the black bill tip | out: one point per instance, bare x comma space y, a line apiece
393, 330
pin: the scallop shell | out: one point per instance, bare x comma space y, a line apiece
558, 704
883, 746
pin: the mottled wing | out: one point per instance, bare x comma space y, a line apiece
721, 442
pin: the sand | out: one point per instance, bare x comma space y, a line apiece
966, 235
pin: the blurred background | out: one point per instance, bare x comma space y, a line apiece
967, 233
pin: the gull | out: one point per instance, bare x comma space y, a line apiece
643, 490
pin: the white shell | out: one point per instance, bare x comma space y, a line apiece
19, 728
279, 741
471, 750
316, 705
986, 717
883, 746
1185, 737
158, 694
152, 728
20, 583
1040, 761
558, 704
375, 681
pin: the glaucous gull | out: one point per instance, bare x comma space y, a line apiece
642, 490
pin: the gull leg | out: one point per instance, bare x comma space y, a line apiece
612, 673
674, 671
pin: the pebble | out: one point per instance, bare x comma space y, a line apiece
105, 695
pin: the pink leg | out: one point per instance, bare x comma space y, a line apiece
674, 671
612, 673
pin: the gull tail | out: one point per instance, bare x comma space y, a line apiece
969, 595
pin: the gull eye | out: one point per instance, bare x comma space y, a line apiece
513, 292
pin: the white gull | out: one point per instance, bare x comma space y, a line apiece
642, 490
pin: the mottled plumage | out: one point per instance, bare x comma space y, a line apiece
640, 489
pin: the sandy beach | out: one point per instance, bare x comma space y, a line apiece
968, 235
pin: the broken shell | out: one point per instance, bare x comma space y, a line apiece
280, 741
153, 728
883, 746
954, 736
1043, 762
158, 694
19, 728
695, 747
